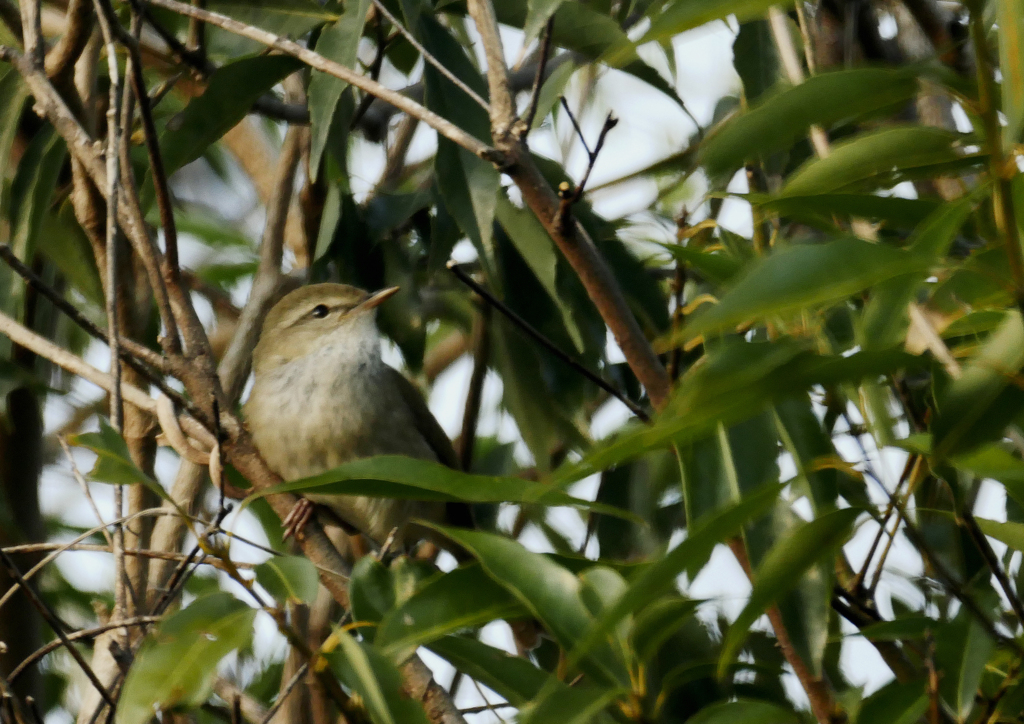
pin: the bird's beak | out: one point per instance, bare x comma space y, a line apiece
376, 298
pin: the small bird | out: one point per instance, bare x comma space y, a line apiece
322, 396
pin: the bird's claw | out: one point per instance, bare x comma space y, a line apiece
295, 522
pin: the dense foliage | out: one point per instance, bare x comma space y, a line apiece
839, 383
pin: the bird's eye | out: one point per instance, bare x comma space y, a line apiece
320, 311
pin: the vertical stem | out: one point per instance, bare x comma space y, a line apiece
481, 352
1002, 200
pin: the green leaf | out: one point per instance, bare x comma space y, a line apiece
962, 650
970, 410
884, 320
13, 93
657, 622
809, 445
575, 705
228, 98
1010, 533
113, 462
910, 627
289, 578
376, 680
756, 59
792, 279
679, 17
176, 665
537, 15
465, 598
744, 711
781, 570
820, 209
997, 463
718, 267
533, 243
784, 116
550, 592
33, 188
1010, 19
896, 703
397, 476
883, 158
371, 591
338, 42
514, 678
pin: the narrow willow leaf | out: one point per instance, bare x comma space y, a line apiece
114, 464
464, 598
228, 98
397, 476
977, 407
784, 116
744, 711
289, 578
781, 570
682, 16
821, 209
1010, 19
514, 678
375, 679
883, 158
338, 42
537, 15
550, 592
791, 279
176, 665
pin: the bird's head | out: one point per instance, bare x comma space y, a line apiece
316, 315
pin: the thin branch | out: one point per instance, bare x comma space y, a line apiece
538, 81
32, 33
54, 622
532, 332
75, 365
300, 672
981, 541
60, 61
502, 108
567, 197
429, 58
87, 633
131, 351
318, 62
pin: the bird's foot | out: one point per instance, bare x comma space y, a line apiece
296, 520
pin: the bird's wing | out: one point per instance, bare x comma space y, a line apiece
425, 422
457, 514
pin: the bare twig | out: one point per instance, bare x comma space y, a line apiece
54, 622
566, 196
502, 108
77, 474
32, 33
283, 695
60, 61
532, 332
86, 634
446, 128
428, 56
538, 81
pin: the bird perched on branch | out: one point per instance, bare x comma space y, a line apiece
323, 396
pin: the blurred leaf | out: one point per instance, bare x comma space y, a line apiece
962, 649
657, 622
537, 249
464, 598
971, 409
228, 98
717, 267
784, 116
679, 17
809, 445
376, 680
884, 321
883, 158
339, 42
781, 570
113, 462
290, 18
552, 90
911, 627
512, 677
398, 476
538, 13
755, 58
744, 711
13, 93
791, 279
1010, 533
33, 188
819, 209
997, 463
371, 593
289, 578
176, 665
575, 705
1010, 19
896, 703
468, 185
